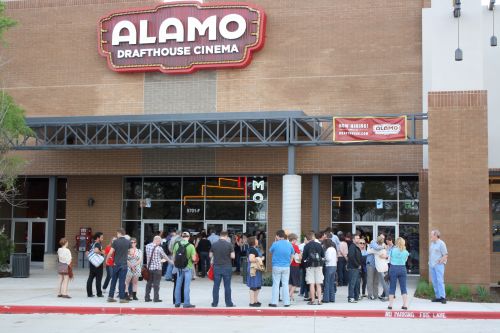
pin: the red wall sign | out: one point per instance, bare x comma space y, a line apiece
182, 37
358, 129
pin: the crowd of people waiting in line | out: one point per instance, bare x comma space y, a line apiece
319, 265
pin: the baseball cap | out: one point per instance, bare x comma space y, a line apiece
185, 234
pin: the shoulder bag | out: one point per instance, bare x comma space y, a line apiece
95, 259
145, 268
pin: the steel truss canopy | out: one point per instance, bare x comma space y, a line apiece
233, 129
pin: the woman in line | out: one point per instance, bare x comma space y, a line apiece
330, 270
381, 266
364, 254
63, 268
134, 263
342, 274
294, 280
254, 282
109, 264
397, 272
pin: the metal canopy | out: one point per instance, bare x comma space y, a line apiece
248, 129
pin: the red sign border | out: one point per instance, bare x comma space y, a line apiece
249, 49
405, 118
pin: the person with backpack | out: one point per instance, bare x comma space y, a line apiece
222, 252
184, 255
314, 258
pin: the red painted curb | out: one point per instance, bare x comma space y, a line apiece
30, 309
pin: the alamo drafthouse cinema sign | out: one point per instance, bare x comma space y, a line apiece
181, 37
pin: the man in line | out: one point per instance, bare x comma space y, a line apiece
96, 272
438, 256
282, 252
156, 256
213, 237
314, 256
222, 252
354, 266
184, 255
119, 248
371, 271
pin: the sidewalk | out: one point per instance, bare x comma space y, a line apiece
37, 294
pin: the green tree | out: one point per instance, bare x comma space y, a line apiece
12, 126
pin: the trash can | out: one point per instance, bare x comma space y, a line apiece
20, 265
244, 268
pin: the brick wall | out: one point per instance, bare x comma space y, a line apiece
458, 182
103, 216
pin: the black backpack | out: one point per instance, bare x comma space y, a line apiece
314, 259
181, 259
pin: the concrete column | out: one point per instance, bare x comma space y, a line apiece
458, 183
315, 203
292, 191
49, 258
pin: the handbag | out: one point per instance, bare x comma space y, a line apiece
210, 273
70, 272
95, 259
145, 268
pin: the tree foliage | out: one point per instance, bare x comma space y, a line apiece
5, 22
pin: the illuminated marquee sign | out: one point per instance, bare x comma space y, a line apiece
182, 37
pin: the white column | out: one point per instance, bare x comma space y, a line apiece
292, 190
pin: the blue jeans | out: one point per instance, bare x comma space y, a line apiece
119, 274
397, 273
222, 273
281, 274
168, 272
330, 285
185, 275
109, 274
437, 276
354, 280
341, 271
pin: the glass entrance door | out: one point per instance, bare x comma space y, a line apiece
372, 230
151, 228
231, 227
30, 237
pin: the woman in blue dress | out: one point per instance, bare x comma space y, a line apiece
254, 282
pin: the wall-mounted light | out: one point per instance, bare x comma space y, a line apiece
493, 39
90, 202
457, 7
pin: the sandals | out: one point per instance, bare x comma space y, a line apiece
311, 303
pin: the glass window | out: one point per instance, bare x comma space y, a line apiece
225, 210
62, 184
495, 214
254, 228
33, 188
193, 227
256, 211
31, 209
193, 187
411, 235
163, 210
5, 210
162, 188
341, 188
225, 188
373, 188
133, 228
408, 188
344, 227
257, 188
133, 188
368, 211
341, 211
131, 210
60, 233
193, 210
61, 209
408, 211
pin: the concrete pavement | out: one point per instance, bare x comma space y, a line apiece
37, 294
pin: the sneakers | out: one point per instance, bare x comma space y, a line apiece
443, 300
157, 300
352, 300
189, 306
271, 305
177, 305
111, 300
372, 298
124, 300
